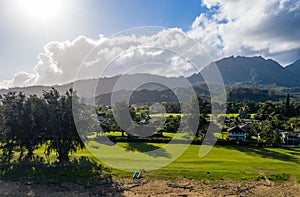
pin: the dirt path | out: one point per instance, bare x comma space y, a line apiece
153, 187
201, 188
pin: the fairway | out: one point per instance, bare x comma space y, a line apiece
226, 162
236, 162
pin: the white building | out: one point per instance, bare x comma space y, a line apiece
237, 134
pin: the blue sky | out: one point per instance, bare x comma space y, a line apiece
224, 28
23, 39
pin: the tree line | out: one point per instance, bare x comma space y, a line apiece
28, 122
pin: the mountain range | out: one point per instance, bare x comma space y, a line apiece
255, 71
236, 71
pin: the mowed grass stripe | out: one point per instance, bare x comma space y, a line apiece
233, 162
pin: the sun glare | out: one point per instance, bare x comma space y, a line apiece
41, 9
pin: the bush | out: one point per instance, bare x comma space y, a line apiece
278, 178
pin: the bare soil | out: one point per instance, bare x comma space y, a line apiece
153, 187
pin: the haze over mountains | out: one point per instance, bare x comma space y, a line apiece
254, 71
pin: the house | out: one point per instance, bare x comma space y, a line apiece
236, 133
290, 137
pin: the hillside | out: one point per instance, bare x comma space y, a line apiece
294, 68
255, 71
91, 87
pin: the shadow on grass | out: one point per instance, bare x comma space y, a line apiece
266, 153
294, 152
104, 140
81, 175
149, 149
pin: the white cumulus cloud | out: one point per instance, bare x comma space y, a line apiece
170, 50
242, 27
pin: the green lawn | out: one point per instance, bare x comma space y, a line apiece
222, 162
236, 162
166, 114
176, 136
232, 162
175, 114
236, 115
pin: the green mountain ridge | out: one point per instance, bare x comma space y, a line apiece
255, 71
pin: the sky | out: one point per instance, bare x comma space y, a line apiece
45, 41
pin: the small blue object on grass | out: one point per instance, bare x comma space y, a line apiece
136, 175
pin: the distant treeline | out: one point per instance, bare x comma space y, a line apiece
237, 94
234, 94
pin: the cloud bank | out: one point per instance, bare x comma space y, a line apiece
82, 58
233, 27
242, 27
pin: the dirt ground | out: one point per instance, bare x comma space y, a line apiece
153, 187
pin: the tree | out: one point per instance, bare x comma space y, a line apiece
269, 130
266, 111
196, 113
34, 127
9, 126
21, 122
287, 107
122, 116
270, 135
244, 110
62, 134
172, 124
293, 124
31, 130
172, 107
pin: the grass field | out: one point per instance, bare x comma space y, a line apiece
228, 162
222, 162
237, 162
174, 114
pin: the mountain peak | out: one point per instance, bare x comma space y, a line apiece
251, 70
243, 58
